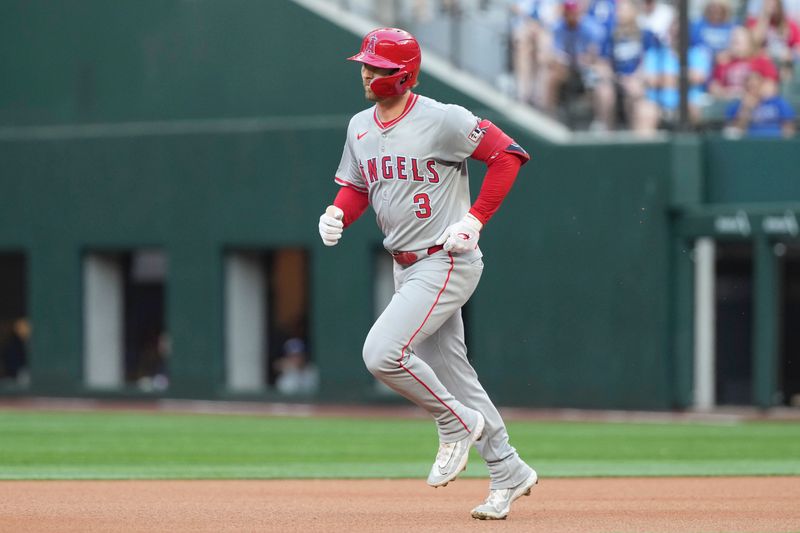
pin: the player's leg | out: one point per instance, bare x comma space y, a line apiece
429, 291
446, 354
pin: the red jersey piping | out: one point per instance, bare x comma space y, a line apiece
403, 351
406, 110
340, 181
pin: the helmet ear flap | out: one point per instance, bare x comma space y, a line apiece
392, 85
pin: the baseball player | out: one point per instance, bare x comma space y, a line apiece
407, 157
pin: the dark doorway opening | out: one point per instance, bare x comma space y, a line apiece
789, 362
15, 327
734, 318
146, 340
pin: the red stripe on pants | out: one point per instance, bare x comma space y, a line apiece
403, 351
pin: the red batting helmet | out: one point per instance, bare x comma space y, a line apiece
391, 48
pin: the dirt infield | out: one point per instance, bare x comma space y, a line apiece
556, 505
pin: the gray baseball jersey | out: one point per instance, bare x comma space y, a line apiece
413, 168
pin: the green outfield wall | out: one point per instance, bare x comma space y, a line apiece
204, 126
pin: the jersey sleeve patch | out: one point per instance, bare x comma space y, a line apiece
477, 133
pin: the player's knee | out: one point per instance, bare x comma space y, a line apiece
380, 355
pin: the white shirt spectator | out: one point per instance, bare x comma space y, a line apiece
656, 17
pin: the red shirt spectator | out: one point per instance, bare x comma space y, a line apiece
734, 64
733, 73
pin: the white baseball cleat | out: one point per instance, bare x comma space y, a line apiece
452, 457
498, 504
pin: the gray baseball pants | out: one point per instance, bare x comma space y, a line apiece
417, 348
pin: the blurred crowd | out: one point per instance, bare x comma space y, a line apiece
619, 59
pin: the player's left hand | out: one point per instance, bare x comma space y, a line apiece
462, 236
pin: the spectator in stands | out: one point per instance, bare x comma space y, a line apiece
525, 35
546, 12
151, 366
778, 35
625, 47
656, 17
790, 7
760, 112
297, 374
604, 14
734, 64
714, 29
14, 356
532, 24
575, 63
661, 74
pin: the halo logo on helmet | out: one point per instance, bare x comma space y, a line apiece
371, 44
391, 48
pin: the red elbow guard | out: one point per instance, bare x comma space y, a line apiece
495, 141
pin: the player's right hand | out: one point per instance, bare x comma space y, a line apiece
331, 225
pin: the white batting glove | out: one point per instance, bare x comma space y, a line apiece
331, 225
462, 236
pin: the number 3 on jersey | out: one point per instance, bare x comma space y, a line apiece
423, 202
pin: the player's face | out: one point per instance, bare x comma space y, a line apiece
369, 73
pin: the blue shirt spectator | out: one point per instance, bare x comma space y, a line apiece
715, 37
713, 30
578, 40
603, 13
767, 119
626, 50
574, 62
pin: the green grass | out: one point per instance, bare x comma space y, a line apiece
103, 445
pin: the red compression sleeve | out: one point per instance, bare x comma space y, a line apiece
504, 158
499, 178
352, 202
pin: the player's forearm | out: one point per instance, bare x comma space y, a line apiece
352, 202
500, 176
504, 157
